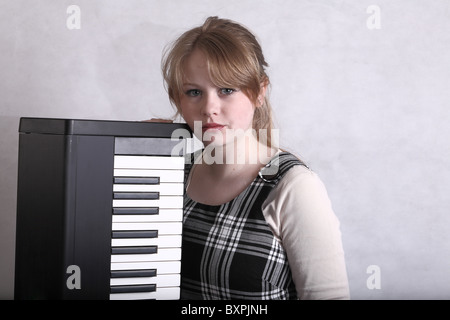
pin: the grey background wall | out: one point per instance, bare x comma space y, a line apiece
360, 90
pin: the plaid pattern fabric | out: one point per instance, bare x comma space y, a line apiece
229, 251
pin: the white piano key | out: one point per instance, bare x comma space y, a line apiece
164, 280
162, 267
148, 162
162, 227
165, 176
164, 215
165, 254
167, 293
164, 189
163, 202
164, 241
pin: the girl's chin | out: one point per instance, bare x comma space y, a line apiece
212, 143
213, 139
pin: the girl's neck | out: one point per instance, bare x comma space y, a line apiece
234, 158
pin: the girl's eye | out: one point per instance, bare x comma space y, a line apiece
227, 91
193, 93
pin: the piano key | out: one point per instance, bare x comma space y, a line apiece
162, 267
164, 254
148, 146
161, 227
168, 202
136, 211
164, 241
168, 293
164, 280
135, 250
164, 189
133, 273
136, 180
146, 162
135, 234
165, 176
136, 195
139, 215
133, 288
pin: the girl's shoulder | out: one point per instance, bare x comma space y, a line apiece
280, 165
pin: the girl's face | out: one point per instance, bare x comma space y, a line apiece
218, 110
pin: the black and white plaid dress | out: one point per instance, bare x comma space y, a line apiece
229, 251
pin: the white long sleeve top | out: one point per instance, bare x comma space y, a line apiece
301, 216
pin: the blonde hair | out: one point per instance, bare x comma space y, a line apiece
235, 60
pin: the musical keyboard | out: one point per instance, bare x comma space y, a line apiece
113, 206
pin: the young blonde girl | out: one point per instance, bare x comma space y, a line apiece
260, 229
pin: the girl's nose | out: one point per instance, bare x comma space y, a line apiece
211, 105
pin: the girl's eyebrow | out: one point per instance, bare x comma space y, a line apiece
190, 84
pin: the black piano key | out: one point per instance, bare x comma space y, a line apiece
134, 250
134, 288
136, 180
137, 195
137, 211
135, 234
133, 273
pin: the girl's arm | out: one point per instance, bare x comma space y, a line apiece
302, 216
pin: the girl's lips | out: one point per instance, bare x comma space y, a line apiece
212, 126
